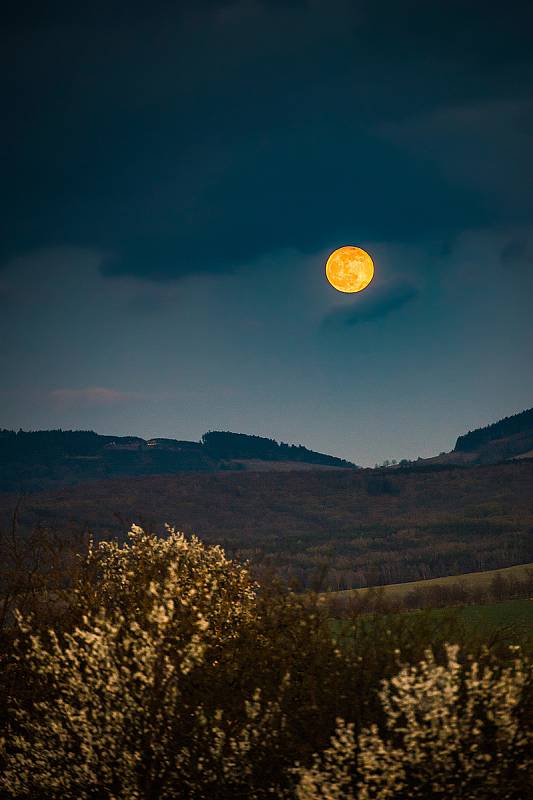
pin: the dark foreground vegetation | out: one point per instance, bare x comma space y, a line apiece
160, 669
332, 530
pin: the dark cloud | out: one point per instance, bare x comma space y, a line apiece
199, 136
372, 304
5, 296
516, 254
303, 192
484, 146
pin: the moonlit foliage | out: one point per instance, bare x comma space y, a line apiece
450, 731
172, 676
119, 719
199, 581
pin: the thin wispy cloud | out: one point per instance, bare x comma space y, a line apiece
91, 396
374, 305
101, 396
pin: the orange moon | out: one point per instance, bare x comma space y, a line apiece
349, 269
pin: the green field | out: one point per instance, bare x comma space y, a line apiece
474, 580
509, 621
492, 616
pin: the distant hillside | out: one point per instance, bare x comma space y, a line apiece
226, 445
350, 527
509, 426
510, 438
31, 460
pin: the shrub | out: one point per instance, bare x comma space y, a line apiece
451, 730
115, 712
121, 578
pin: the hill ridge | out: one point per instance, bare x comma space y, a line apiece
30, 459
504, 428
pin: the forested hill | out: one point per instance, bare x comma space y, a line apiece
226, 445
34, 459
517, 424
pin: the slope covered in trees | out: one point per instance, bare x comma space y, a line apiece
521, 423
31, 460
227, 445
349, 527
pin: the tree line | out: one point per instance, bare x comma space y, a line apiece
225, 444
509, 426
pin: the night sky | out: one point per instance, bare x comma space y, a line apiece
174, 176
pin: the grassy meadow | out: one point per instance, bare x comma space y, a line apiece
492, 617
473, 581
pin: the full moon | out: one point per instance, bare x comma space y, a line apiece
349, 269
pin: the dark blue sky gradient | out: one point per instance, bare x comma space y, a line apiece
175, 174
